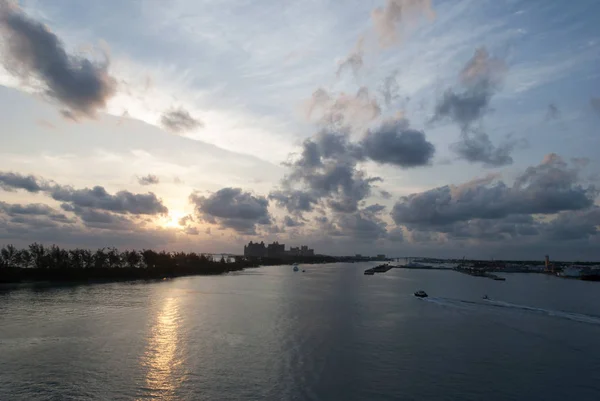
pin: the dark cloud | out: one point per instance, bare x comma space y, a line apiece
193, 231
385, 194
574, 225
185, 220
98, 198
12, 181
476, 147
480, 79
95, 198
179, 120
94, 218
79, 84
233, 208
149, 179
397, 144
389, 19
363, 224
326, 170
547, 188
354, 61
33, 209
294, 201
289, 222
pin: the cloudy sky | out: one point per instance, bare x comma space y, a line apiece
408, 127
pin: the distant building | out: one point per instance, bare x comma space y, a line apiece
381, 256
275, 250
358, 255
304, 251
255, 250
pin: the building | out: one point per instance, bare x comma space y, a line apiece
255, 250
275, 250
381, 256
305, 251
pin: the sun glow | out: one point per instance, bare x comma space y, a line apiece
172, 220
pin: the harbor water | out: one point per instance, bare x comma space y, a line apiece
329, 333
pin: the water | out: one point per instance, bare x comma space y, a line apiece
328, 334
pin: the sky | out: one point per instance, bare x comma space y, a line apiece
442, 128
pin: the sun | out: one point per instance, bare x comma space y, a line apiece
172, 220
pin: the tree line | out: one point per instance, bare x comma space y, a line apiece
52, 263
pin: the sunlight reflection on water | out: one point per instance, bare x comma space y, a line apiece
160, 359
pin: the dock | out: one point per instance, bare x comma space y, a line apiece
378, 269
478, 273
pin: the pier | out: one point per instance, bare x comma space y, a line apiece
378, 269
478, 273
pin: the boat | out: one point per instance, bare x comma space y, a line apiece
369, 272
498, 278
303, 271
486, 297
296, 267
421, 294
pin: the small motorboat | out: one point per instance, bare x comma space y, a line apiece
486, 297
296, 267
303, 271
421, 294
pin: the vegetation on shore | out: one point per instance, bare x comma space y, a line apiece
40, 263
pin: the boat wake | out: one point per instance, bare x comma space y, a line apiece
577, 317
492, 303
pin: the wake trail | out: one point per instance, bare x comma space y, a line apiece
492, 303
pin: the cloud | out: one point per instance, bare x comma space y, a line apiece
389, 19
11, 181
327, 173
82, 86
476, 147
574, 225
289, 222
395, 143
33, 209
548, 188
327, 170
354, 61
185, 220
150, 179
232, 208
385, 194
480, 79
295, 201
95, 198
363, 224
101, 219
98, 198
193, 231
179, 121
343, 109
